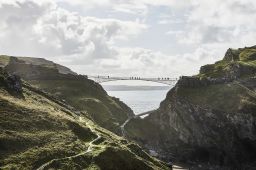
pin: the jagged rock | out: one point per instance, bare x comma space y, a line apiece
231, 55
13, 82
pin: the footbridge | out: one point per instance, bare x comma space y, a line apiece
163, 80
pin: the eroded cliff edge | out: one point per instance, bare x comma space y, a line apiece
208, 118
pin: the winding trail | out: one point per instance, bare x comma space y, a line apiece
89, 149
123, 125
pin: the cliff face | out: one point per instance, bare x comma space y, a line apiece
78, 91
210, 117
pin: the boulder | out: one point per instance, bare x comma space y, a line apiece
13, 82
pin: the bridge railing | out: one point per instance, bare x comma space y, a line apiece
134, 78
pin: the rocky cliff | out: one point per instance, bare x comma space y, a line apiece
209, 118
76, 90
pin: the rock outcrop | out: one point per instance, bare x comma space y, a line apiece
231, 55
13, 82
210, 118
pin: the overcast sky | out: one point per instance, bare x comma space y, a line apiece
149, 38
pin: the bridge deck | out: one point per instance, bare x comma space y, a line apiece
102, 79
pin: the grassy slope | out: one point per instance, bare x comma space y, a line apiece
89, 97
227, 97
83, 94
34, 129
230, 97
245, 58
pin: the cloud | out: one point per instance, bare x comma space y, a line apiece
219, 21
133, 62
149, 63
41, 29
138, 7
135, 37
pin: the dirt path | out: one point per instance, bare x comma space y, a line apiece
176, 167
123, 125
89, 149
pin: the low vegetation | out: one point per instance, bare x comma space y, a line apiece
81, 93
36, 129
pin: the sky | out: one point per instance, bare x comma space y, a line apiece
145, 38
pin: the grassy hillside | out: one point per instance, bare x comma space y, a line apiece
236, 62
231, 97
239, 66
4, 60
80, 92
39, 131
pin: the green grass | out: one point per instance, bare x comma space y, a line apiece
4, 60
247, 54
246, 60
86, 96
226, 97
83, 94
216, 70
35, 129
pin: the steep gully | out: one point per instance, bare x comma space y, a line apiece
174, 167
133, 117
89, 149
91, 144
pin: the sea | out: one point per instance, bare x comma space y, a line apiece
140, 100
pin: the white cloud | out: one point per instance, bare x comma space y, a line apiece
139, 7
199, 31
44, 29
220, 21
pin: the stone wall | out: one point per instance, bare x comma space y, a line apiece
196, 82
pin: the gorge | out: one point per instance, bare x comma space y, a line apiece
206, 121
